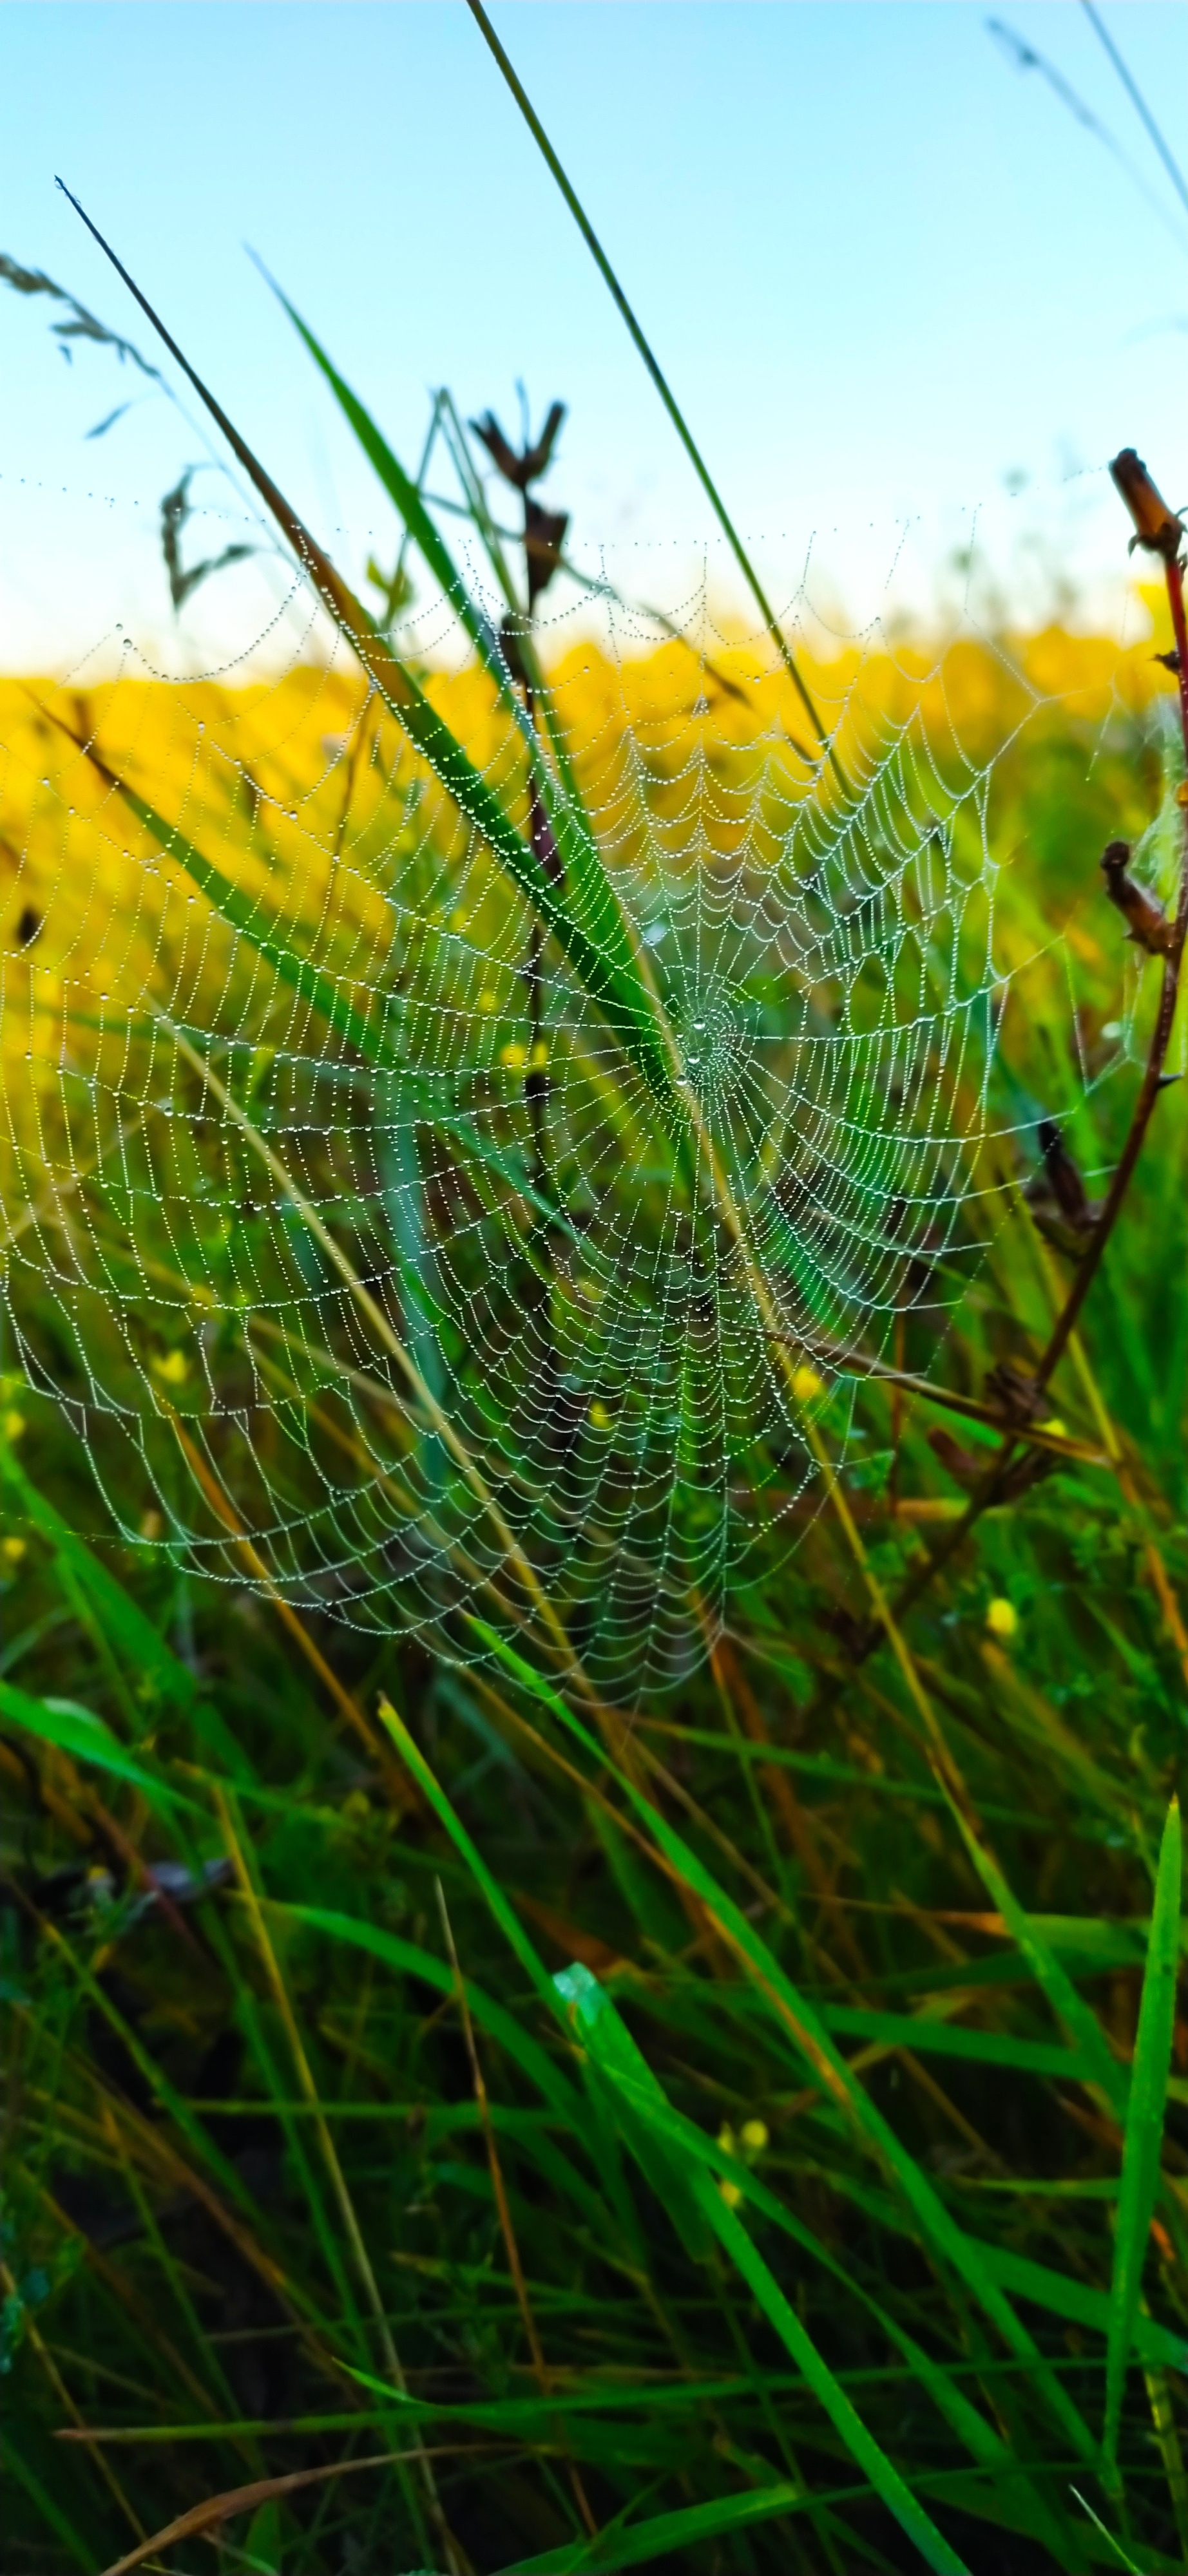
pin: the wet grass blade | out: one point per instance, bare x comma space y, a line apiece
589, 888
1144, 2123
597, 944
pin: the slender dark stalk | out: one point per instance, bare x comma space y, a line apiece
985, 1494
667, 397
1153, 1078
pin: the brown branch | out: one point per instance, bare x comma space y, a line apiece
1161, 533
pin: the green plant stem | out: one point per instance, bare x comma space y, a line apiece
663, 388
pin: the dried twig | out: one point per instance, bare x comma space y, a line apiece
1157, 531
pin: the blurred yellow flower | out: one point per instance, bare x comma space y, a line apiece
488, 1001
539, 1056
173, 1368
513, 1056
755, 2136
459, 919
14, 1424
1002, 1620
599, 1416
806, 1384
731, 2191
13, 1549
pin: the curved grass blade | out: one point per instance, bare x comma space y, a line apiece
77, 1731
406, 494
16, 2465
408, 1959
624, 2066
314, 988
1144, 2123
825, 2062
586, 880
1031, 2513
597, 946
616, 2055
152, 1667
1070, 2008
667, 2146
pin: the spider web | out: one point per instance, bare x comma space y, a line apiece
364, 1249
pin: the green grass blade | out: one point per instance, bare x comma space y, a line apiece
661, 2535
78, 1732
807, 2034
1144, 2122
505, 1914
942, 2039
663, 388
408, 1959
598, 946
1070, 2008
423, 529
155, 1673
319, 992
686, 2142
1116, 2550
673, 2148
17, 2466
589, 894
625, 2067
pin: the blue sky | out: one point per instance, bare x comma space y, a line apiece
883, 269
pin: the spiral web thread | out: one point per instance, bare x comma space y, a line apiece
434, 1326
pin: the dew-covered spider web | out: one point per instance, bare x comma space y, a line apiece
414, 1234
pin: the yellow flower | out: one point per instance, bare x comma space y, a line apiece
513, 1057
14, 1424
539, 1056
488, 1001
173, 1369
806, 1384
599, 1416
755, 2136
1002, 1620
459, 919
731, 2191
13, 1549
